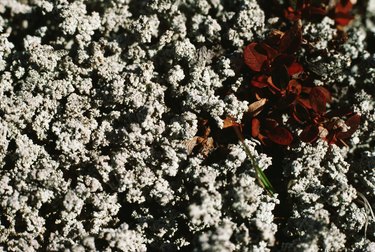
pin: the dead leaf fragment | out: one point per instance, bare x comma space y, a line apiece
256, 107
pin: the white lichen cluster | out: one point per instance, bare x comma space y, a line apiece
97, 101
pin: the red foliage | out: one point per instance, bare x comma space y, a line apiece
281, 81
310, 9
254, 56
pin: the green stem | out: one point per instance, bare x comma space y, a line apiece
261, 177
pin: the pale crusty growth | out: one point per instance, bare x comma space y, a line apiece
98, 99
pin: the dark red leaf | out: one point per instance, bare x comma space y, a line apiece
259, 81
309, 134
317, 11
271, 52
305, 102
255, 127
254, 56
294, 87
291, 41
343, 19
326, 93
295, 68
280, 135
283, 59
342, 12
318, 100
292, 14
353, 123
270, 123
300, 113
280, 76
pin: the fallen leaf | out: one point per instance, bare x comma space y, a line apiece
229, 122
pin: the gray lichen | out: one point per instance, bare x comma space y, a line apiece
98, 99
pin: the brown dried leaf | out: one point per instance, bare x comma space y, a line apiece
229, 122
256, 107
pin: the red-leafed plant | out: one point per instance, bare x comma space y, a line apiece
339, 10
281, 81
281, 92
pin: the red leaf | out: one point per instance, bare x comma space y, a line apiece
342, 12
300, 113
280, 135
292, 39
326, 93
318, 100
353, 123
319, 11
259, 81
283, 59
295, 68
291, 14
305, 102
270, 124
254, 57
271, 52
255, 127
309, 134
294, 87
280, 76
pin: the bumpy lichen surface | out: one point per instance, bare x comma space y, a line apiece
98, 99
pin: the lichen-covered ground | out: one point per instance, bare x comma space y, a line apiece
98, 99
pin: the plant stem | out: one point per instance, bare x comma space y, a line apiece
261, 177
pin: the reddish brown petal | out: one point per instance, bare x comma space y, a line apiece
309, 134
280, 135
318, 100
255, 127
254, 57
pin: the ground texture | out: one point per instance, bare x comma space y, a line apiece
97, 102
